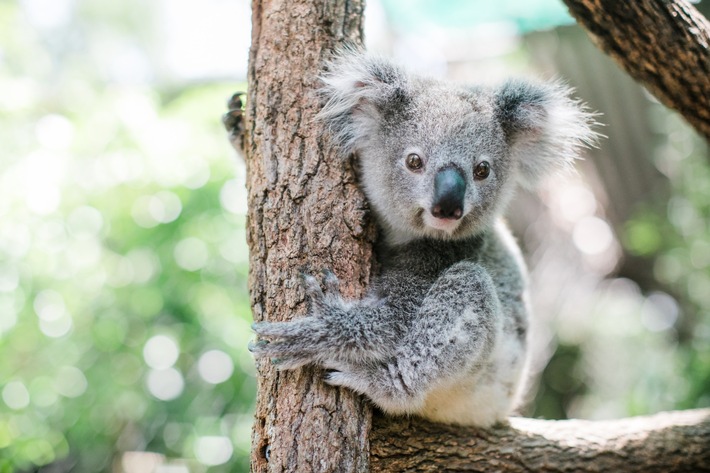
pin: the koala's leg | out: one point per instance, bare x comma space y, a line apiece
336, 332
454, 331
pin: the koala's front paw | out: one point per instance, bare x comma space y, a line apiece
306, 340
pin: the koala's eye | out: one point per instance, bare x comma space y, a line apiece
482, 170
414, 162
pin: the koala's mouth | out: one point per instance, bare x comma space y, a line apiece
448, 225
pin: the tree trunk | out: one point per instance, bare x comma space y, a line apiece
305, 214
664, 44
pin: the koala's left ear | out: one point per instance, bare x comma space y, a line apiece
544, 127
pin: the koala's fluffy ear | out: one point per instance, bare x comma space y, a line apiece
357, 89
545, 128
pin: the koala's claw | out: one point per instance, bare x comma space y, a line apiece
313, 289
329, 374
255, 346
332, 284
318, 297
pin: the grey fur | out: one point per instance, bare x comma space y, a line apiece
442, 332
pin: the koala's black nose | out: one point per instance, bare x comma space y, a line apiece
449, 192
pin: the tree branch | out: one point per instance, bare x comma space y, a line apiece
668, 442
664, 44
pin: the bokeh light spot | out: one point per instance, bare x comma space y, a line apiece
233, 197
642, 238
70, 381
165, 384
160, 352
54, 132
592, 236
191, 254
659, 312
56, 328
576, 202
15, 395
165, 207
49, 305
213, 450
54, 321
215, 366
151, 210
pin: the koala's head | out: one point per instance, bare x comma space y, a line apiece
441, 160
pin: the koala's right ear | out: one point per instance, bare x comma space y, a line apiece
356, 88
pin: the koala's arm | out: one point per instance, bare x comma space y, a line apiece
452, 332
393, 358
336, 331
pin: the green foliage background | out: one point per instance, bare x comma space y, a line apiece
121, 219
675, 234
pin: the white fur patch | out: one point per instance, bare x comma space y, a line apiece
443, 224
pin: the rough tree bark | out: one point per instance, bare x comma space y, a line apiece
666, 442
664, 44
305, 214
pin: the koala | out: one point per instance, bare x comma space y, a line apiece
442, 331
